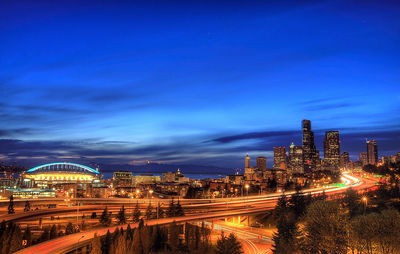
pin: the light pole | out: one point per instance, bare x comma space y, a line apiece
77, 245
247, 199
151, 193
365, 200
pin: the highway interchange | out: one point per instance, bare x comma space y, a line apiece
200, 210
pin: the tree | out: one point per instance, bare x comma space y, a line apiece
388, 226
105, 218
27, 206
325, 229
69, 229
298, 204
96, 245
53, 232
136, 213
351, 201
160, 211
179, 210
228, 245
363, 231
171, 209
45, 234
106, 243
281, 207
286, 236
149, 212
40, 223
94, 215
10, 238
121, 215
11, 205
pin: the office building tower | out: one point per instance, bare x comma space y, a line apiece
309, 149
332, 151
262, 163
372, 152
247, 162
362, 157
280, 157
296, 162
344, 160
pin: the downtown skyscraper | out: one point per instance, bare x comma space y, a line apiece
332, 151
372, 152
309, 149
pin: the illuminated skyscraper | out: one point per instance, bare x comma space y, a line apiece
332, 151
363, 158
372, 152
296, 162
309, 150
262, 163
280, 157
344, 160
247, 161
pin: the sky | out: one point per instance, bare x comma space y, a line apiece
199, 83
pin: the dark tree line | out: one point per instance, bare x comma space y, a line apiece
308, 224
155, 239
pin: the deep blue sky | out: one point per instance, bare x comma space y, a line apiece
194, 83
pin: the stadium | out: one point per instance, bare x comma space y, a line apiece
60, 172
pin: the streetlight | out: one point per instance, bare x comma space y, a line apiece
365, 200
77, 245
151, 193
247, 197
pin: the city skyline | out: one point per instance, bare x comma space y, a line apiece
88, 85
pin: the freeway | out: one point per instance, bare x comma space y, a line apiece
249, 205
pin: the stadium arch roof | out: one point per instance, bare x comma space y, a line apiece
62, 166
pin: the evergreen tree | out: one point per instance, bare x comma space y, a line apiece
106, 243
129, 232
94, 215
171, 209
325, 228
160, 210
11, 205
53, 232
281, 207
45, 234
40, 223
27, 236
351, 201
149, 212
297, 204
179, 210
136, 213
105, 218
121, 215
69, 229
96, 245
286, 235
228, 245
27, 206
